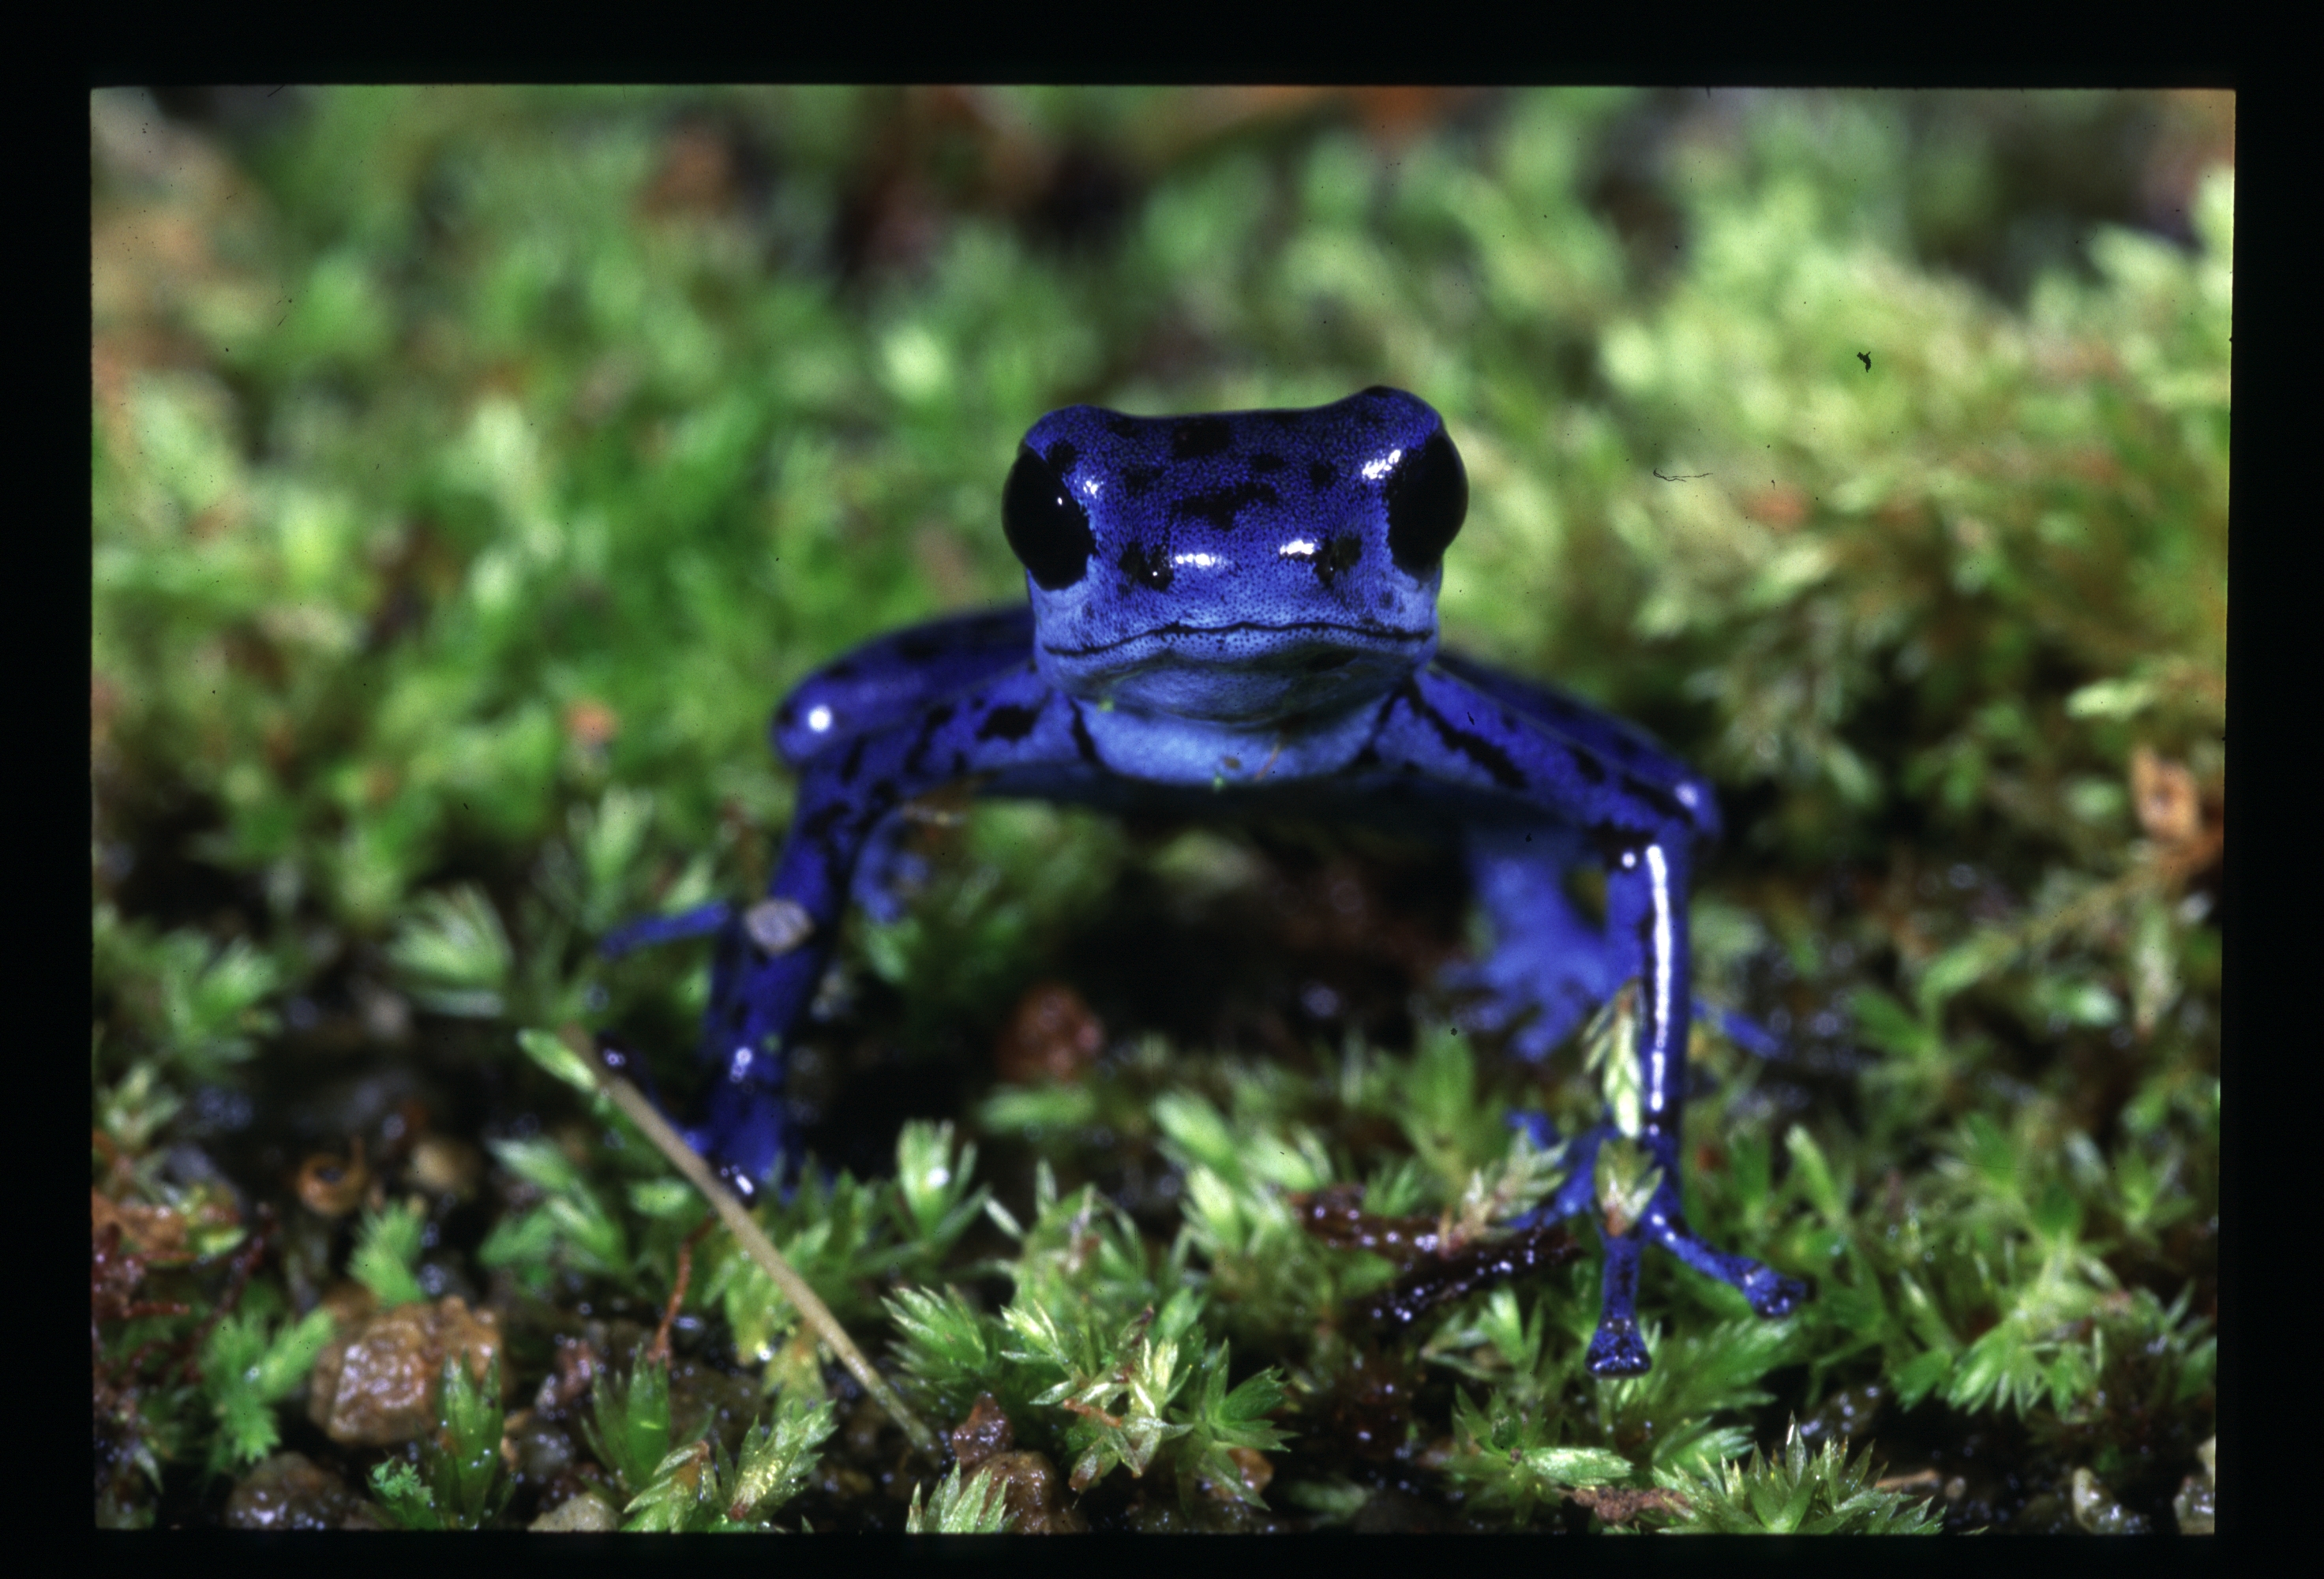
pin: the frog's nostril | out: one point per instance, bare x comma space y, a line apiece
1147, 567
1338, 555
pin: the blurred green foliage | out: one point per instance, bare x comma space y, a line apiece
471, 470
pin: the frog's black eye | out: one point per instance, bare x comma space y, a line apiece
1427, 497
1047, 528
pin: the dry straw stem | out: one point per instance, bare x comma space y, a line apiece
760, 1249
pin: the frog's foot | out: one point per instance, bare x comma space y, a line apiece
741, 1134
1543, 979
1550, 964
1539, 1002
734, 1119
888, 871
1618, 1349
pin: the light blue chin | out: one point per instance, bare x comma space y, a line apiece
1246, 689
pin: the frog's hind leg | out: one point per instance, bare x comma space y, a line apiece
1551, 960
1551, 963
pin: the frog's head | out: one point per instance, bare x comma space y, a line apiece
1245, 566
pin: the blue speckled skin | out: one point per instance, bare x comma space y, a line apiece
1231, 612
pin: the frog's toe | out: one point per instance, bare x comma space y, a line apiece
887, 872
1772, 1293
1744, 1032
1539, 1037
1616, 1349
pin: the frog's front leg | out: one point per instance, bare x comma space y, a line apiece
1644, 830
889, 680
771, 956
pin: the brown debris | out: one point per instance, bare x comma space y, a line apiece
442, 1165
333, 1187
114, 1271
1622, 1505
1053, 1033
1435, 1264
2169, 808
376, 1384
2172, 810
155, 1233
1479, 1266
1369, 1406
572, 1379
696, 175
658, 1352
1778, 506
591, 725
985, 1431
1034, 1494
1253, 1472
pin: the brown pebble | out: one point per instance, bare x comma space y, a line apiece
350, 1303
374, 1384
587, 1514
290, 1492
442, 1165
1051, 1034
1035, 1494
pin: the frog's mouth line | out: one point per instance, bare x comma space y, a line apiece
1366, 632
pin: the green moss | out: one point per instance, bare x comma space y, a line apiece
460, 1482
1799, 1493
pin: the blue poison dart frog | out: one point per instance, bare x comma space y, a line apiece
1229, 613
